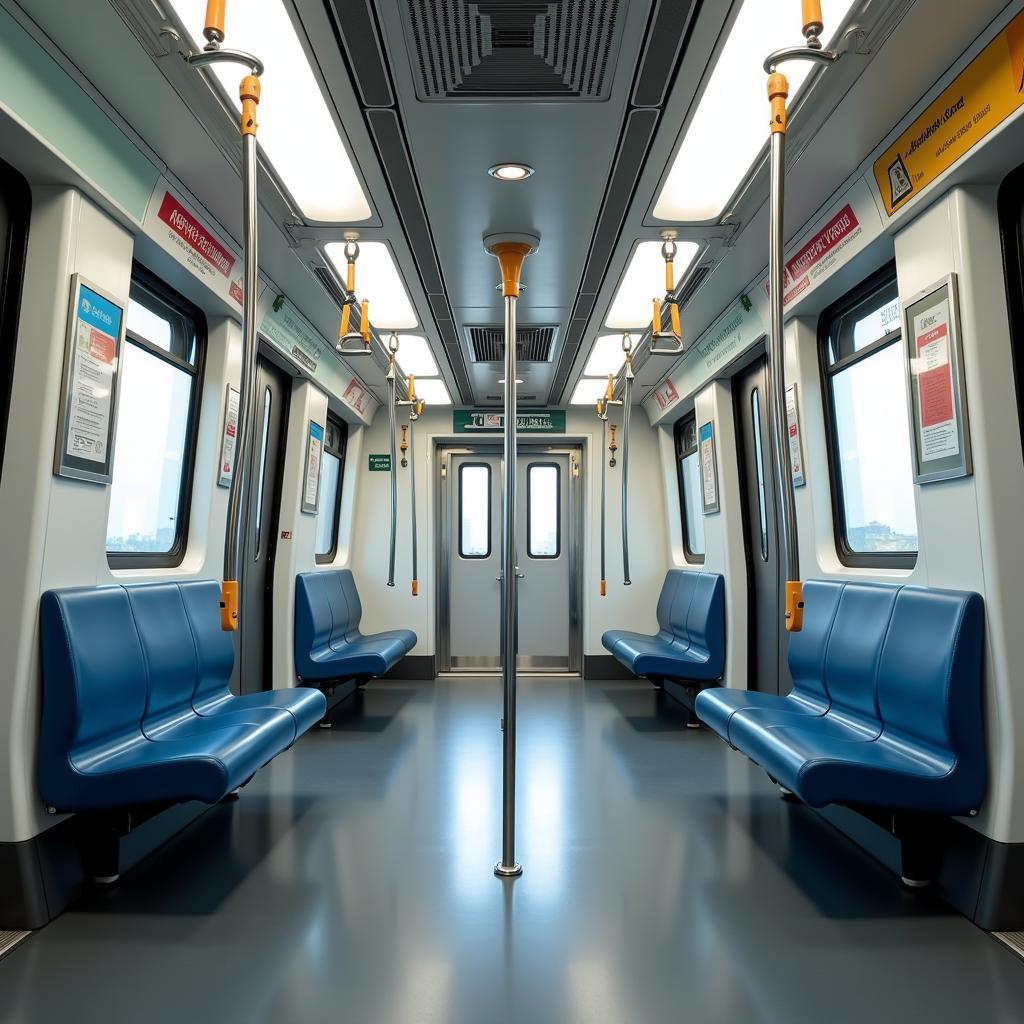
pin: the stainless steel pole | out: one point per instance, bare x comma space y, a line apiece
510, 605
234, 545
777, 366
627, 397
394, 471
412, 503
604, 474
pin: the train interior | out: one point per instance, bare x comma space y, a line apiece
511, 511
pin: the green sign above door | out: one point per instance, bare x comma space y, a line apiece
492, 421
380, 463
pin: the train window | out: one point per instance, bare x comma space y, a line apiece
542, 510
261, 469
332, 472
869, 430
691, 509
762, 509
157, 417
475, 510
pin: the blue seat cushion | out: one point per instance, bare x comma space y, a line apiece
303, 705
374, 654
717, 707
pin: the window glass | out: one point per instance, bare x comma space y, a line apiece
474, 510
156, 417
690, 499
542, 510
331, 473
876, 519
261, 471
762, 510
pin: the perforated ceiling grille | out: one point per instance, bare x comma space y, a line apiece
512, 48
533, 344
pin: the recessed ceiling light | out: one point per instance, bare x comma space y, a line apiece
588, 391
519, 380
414, 356
607, 356
510, 172
433, 392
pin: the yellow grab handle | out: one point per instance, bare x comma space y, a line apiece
229, 606
670, 278
249, 94
677, 328
412, 387
604, 588
214, 28
415, 588
364, 321
813, 23
600, 407
609, 391
656, 317
350, 277
778, 92
346, 313
794, 606
419, 406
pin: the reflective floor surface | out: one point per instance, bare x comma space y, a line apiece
664, 881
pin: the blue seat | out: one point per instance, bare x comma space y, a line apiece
690, 643
119, 729
886, 708
329, 647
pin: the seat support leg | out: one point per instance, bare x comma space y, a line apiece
920, 850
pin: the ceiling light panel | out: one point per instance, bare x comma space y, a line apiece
730, 124
377, 280
607, 356
414, 355
296, 130
433, 392
588, 391
643, 282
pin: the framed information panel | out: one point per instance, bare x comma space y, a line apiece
311, 470
89, 386
941, 439
708, 467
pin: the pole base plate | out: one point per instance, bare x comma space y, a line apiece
508, 871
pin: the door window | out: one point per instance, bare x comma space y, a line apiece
474, 510
543, 509
691, 509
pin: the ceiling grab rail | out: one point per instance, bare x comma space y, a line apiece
353, 342
511, 251
415, 406
667, 343
627, 392
778, 92
249, 94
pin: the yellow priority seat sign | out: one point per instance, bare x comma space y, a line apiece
975, 103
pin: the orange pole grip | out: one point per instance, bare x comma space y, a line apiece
346, 315
249, 94
604, 588
364, 321
415, 588
511, 256
794, 606
778, 93
229, 606
412, 387
677, 327
609, 391
656, 317
419, 406
350, 278
215, 10
670, 277
813, 23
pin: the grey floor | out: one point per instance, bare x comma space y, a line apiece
664, 881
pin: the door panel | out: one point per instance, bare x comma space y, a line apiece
273, 391
767, 670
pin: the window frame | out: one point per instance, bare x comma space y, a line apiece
1010, 211
340, 452
692, 556
885, 275
530, 466
175, 555
490, 524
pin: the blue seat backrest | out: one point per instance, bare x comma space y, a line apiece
855, 647
808, 647
337, 600
705, 621
93, 669
355, 606
313, 620
666, 599
929, 678
167, 647
680, 614
214, 648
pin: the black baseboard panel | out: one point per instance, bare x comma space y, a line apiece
416, 667
604, 666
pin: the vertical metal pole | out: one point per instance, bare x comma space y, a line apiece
412, 502
777, 365
394, 471
510, 605
627, 398
604, 474
234, 545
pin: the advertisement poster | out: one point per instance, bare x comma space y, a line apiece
230, 438
311, 476
89, 393
708, 467
796, 448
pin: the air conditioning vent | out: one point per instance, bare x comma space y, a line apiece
533, 344
494, 49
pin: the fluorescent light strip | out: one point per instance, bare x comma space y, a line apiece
606, 356
377, 280
433, 392
414, 355
588, 391
643, 282
296, 130
730, 124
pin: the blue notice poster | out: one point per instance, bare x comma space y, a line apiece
311, 477
708, 467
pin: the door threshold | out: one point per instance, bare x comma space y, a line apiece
468, 673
